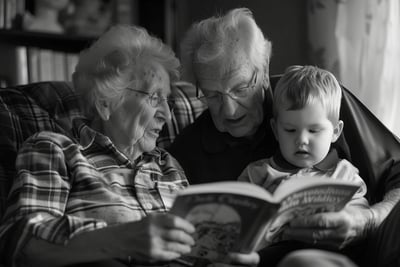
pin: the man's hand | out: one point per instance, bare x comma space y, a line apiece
335, 229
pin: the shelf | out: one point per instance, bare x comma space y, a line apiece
58, 42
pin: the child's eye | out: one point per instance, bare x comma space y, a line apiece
315, 130
289, 130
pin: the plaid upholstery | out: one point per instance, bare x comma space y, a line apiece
27, 109
187, 108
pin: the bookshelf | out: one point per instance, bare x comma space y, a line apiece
53, 41
38, 56
32, 55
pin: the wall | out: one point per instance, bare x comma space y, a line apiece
284, 22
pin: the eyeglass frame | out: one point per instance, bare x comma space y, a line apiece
155, 95
251, 85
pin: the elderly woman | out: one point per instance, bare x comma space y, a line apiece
227, 58
101, 195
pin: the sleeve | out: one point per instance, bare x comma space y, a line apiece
38, 199
346, 171
260, 173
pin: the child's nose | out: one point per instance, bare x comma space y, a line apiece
302, 139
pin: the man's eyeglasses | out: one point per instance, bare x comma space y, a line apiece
155, 99
237, 93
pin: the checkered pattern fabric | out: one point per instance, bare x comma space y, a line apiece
27, 109
187, 108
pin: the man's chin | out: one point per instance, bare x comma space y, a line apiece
241, 132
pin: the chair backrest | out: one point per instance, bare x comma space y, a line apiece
52, 106
25, 110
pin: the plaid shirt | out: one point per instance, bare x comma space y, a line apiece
64, 187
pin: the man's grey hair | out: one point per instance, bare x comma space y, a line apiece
207, 42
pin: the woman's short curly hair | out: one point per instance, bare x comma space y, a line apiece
206, 42
115, 61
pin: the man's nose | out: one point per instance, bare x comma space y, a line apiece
229, 105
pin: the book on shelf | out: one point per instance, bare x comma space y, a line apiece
240, 217
33, 64
14, 68
46, 65
59, 66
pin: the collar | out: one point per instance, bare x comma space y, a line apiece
214, 141
329, 162
88, 138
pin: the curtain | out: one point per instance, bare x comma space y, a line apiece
359, 41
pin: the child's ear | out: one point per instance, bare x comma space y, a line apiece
337, 131
273, 127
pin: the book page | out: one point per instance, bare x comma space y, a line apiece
231, 187
225, 218
313, 196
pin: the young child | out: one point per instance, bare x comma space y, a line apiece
305, 123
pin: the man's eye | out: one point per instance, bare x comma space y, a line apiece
242, 91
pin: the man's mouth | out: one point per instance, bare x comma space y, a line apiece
235, 120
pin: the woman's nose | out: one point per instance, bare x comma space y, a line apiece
165, 110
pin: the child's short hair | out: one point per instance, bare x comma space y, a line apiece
302, 85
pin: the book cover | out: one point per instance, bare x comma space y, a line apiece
239, 216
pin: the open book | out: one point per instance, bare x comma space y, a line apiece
238, 216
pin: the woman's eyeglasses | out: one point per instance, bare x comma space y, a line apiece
237, 93
155, 99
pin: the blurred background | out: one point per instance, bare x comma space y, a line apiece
357, 40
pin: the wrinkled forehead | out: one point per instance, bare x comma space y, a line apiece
233, 66
153, 77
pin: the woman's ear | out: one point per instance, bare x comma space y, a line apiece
104, 110
337, 131
273, 127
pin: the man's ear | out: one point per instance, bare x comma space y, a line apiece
273, 127
337, 131
104, 110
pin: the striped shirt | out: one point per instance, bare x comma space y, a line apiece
271, 172
64, 187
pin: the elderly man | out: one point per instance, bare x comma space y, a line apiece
227, 59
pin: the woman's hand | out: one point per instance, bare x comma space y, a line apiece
158, 237
335, 229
